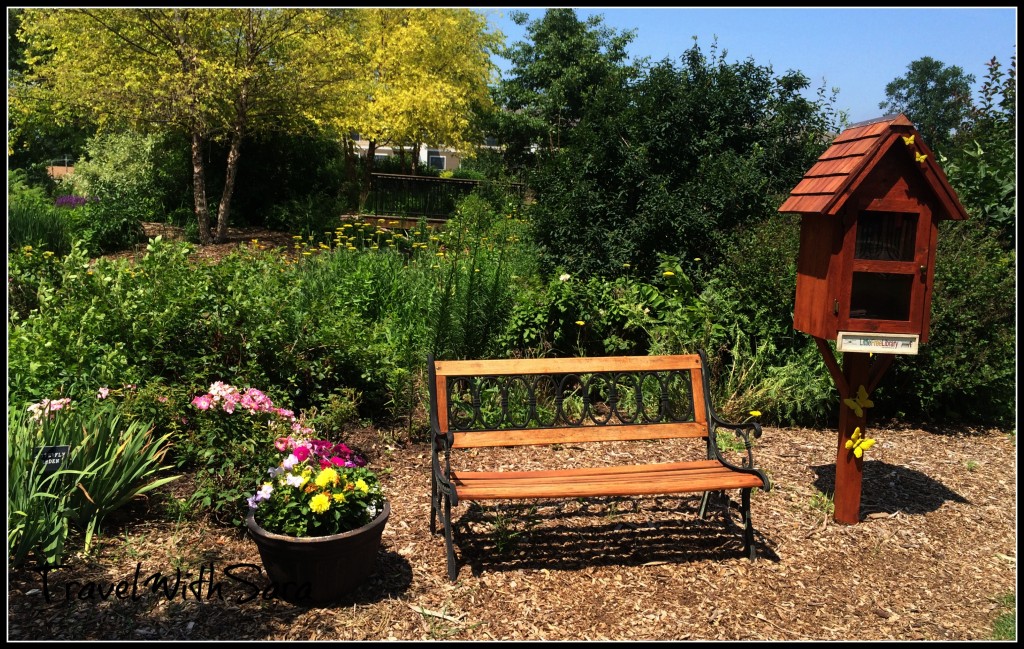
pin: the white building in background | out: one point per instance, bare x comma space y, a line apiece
440, 159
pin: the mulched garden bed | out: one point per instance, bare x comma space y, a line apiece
931, 559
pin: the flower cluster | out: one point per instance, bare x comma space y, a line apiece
319, 488
223, 396
47, 407
71, 201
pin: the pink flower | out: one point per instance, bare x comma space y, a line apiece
103, 393
282, 444
202, 402
162, 399
301, 452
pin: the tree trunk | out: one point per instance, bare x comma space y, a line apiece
199, 187
224, 209
364, 190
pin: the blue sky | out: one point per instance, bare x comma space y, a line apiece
857, 50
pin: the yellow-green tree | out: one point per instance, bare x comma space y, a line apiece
396, 75
420, 74
213, 74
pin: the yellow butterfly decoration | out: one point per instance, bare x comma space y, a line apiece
908, 140
920, 157
860, 402
859, 444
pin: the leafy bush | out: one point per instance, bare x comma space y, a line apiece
231, 444
127, 176
966, 370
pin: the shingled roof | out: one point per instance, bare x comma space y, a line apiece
849, 160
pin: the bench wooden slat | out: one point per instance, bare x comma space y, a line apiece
567, 365
565, 435
679, 477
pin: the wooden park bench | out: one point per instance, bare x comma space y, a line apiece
532, 402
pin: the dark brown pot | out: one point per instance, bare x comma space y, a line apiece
319, 570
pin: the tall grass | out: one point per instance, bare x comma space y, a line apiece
38, 225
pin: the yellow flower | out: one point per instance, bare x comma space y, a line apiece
326, 477
860, 402
580, 323
362, 486
668, 273
319, 503
859, 444
339, 497
755, 413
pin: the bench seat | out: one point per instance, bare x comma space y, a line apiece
642, 480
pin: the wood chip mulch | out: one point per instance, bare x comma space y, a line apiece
932, 558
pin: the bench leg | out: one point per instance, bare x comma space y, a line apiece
441, 508
433, 506
704, 505
748, 526
446, 519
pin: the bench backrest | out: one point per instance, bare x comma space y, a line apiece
515, 402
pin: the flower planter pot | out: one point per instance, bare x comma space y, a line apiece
319, 570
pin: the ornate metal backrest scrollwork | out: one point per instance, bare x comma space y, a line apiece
521, 401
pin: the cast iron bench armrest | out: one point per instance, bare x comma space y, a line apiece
742, 431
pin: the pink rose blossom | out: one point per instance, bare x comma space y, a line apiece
202, 402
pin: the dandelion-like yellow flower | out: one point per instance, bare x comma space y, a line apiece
339, 497
319, 503
362, 486
326, 477
580, 322
755, 413
668, 273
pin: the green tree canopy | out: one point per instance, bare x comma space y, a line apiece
668, 158
935, 97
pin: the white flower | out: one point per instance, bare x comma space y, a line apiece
563, 277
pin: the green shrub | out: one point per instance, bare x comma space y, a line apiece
230, 445
966, 370
125, 176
